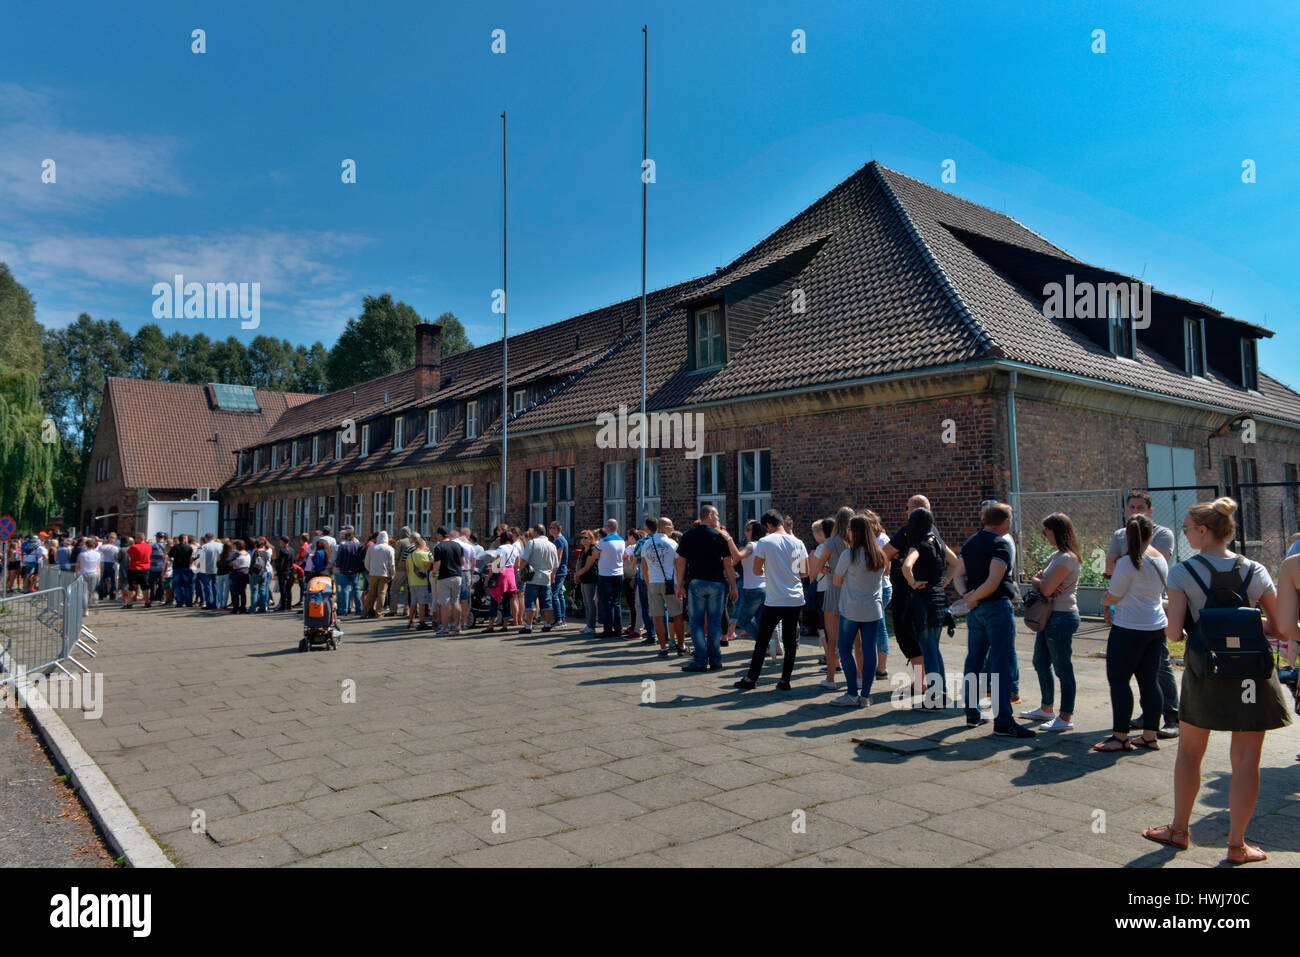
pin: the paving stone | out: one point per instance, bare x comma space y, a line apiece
244, 827
721, 851
986, 827
593, 809
412, 815
584, 782
429, 846
606, 842
691, 821
870, 813
935, 798
347, 857
838, 857
667, 790
536, 852
320, 836
913, 846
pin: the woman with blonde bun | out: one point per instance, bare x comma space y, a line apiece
1216, 578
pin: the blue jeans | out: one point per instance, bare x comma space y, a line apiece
348, 589
223, 591
537, 594
557, 591
882, 636
207, 585
849, 630
1052, 650
932, 659
258, 586
991, 633
183, 587
643, 596
609, 612
749, 610
705, 606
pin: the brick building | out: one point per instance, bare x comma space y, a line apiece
889, 339
169, 441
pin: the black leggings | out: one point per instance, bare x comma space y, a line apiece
1128, 653
239, 591
775, 616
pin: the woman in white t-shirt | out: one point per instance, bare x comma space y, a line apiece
1134, 608
88, 570
1247, 707
781, 559
858, 574
1053, 646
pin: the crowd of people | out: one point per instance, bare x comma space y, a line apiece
772, 589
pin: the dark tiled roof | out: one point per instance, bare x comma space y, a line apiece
165, 432
888, 284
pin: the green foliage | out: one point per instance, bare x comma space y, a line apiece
1037, 553
381, 341
454, 338
26, 460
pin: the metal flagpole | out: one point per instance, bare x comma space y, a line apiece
645, 82
505, 406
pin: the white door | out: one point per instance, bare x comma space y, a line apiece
1169, 466
185, 522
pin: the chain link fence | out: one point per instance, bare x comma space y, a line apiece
1095, 514
1268, 515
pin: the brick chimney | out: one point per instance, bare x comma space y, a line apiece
428, 359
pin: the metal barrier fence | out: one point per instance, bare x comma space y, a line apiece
1268, 515
1095, 513
40, 630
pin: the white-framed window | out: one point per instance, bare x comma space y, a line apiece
426, 505
411, 513
359, 515
755, 471
536, 496
329, 516
431, 427
711, 482
274, 456
338, 444
471, 419
365, 442
494, 506
650, 491
564, 501
377, 511
616, 493
710, 348
519, 400
398, 422
320, 511
467, 506
1119, 320
293, 453
1194, 346
1250, 363
449, 505
257, 460
388, 511
315, 449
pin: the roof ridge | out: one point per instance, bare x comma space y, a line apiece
971, 202
974, 326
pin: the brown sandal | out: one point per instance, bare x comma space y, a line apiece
1247, 854
1144, 744
1172, 835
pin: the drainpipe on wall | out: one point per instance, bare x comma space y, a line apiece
1014, 451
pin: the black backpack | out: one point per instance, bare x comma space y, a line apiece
259, 563
1229, 633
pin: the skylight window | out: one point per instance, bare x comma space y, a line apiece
234, 398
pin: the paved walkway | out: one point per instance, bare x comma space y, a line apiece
547, 750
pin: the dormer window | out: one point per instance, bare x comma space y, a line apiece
1119, 320
1250, 363
431, 427
520, 398
1194, 346
338, 444
365, 442
257, 460
315, 449
471, 419
398, 422
293, 446
708, 346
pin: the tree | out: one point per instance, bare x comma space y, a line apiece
230, 362
28, 444
379, 341
454, 339
148, 356
312, 367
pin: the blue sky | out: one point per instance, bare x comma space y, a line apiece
225, 166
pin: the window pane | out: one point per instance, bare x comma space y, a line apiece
747, 471
765, 471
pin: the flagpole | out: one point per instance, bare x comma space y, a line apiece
645, 94
505, 406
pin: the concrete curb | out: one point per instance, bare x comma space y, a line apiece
126, 836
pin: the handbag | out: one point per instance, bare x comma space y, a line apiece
1038, 610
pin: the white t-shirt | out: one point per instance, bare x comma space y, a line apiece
506, 554
782, 556
660, 552
823, 551
107, 553
610, 560
752, 579
240, 560
1261, 583
208, 555
88, 562
1140, 592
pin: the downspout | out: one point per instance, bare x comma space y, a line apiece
1014, 453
